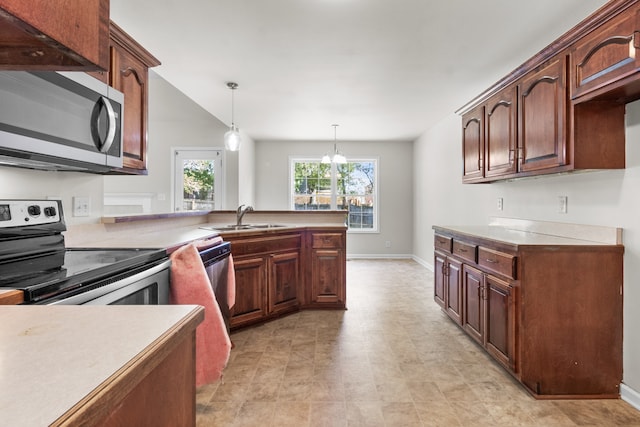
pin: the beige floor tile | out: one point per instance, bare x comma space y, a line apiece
328, 414
365, 414
400, 414
252, 414
392, 359
291, 414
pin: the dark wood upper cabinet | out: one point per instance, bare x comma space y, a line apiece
542, 118
473, 145
563, 109
60, 35
500, 140
605, 62
129, 73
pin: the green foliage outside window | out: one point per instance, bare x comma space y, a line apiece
354, 189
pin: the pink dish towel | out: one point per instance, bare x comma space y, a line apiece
190, 285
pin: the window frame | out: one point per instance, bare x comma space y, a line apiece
334, 187
202, 153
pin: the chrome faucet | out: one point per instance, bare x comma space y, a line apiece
240, 213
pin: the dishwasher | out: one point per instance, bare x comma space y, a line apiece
215, 258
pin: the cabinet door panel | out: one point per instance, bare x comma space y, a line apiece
542, 119
454, 290
473, 145
439, 279
473, 303
500, 140
327, 276
129, 76
250, 287
500, 320
609, 54
284, 271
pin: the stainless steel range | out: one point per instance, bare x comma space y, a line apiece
33, 258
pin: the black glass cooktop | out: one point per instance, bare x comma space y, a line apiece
58, 272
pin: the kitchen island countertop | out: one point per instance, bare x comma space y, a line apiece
53, 357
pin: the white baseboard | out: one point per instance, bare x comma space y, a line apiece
425, 264
630, 396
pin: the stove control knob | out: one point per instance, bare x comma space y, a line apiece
34, 210
50, 211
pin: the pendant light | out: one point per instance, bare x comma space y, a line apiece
337, 156
232, 136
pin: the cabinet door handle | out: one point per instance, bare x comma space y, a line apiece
492, 261
511, 155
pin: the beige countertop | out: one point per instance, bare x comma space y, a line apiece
52, 357
170, 231
525, 232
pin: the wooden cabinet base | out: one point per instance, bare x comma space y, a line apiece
281, 272
549, 312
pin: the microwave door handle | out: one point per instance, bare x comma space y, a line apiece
111, 131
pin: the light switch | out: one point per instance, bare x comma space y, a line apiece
81, 206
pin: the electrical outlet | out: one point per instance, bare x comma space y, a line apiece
387, 244
500, 203
81, 206
562, 207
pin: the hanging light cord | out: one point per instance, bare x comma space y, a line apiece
233, 86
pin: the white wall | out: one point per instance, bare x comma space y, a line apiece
30, 184
177, 121
609, 198
395, 171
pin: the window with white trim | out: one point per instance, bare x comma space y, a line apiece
350, 186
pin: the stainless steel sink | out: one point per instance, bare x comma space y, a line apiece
233, 227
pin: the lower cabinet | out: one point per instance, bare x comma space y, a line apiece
448, 286
267, 277
280, 272
251, 282
489, 314
328, 270
284, 281
548, 309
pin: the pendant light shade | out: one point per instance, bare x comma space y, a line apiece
232, 136
232, 139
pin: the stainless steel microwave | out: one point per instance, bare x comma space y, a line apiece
60, 121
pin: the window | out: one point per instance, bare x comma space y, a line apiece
350, 186
198, 179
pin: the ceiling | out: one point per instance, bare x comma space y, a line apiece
384, 70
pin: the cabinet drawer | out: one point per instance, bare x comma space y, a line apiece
327, 240
266, 245
442, 243
465, 250
497, 262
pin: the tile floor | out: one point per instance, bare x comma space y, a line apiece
392, 359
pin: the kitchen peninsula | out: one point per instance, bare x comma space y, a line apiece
284, 261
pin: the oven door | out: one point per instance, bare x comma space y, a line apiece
148, 287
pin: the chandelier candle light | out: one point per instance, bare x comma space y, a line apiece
337, 156
232, 136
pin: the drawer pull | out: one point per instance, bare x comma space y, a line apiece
492, 261
462, 250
